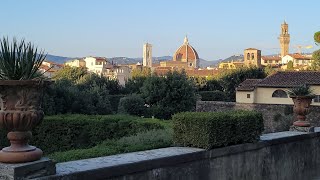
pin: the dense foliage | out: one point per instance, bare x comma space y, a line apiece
142, 141
66, 132
231, 79
70, 73
212, 95
143, 72
316, 37
19, 60
132, 104
303, 90
316, 54
170, 94
290, 66
76, 91
134, 84
316, 60
216, 129
212, 85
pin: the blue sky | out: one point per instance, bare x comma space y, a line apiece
216, 29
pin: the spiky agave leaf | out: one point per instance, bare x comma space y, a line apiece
19, 60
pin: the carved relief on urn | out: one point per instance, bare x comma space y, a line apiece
301, 109
20, 111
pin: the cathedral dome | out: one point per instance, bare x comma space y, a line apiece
186, 53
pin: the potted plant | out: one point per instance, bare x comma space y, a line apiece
21, 92
302, 97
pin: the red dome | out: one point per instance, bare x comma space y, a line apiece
185, 53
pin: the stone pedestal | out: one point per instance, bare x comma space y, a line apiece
42, 167
302, 129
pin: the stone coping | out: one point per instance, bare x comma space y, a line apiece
121, 164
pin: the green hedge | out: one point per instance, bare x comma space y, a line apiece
142, 141
213, 96
216, 129
66, 132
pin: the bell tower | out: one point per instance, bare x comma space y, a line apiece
284, 39
147, 55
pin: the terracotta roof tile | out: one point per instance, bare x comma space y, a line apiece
299, 56
248, 84
277, 58
291, 79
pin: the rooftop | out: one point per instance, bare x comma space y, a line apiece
287, 79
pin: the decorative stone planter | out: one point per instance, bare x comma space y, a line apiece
301, 109
20, 111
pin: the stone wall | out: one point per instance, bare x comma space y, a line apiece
276, 117
284, 155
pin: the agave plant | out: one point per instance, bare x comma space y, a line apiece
19, 60
301, 91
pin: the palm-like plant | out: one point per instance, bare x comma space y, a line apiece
303, 90
19, 60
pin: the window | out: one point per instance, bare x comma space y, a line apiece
248, 95
316, 98
279, 94
265, 61
252, 56
248, 56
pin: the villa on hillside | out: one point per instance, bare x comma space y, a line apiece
273, 89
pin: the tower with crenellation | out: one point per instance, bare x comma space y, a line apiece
284, 39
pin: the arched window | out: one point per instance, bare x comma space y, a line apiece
252, 56
248, 56
279, 94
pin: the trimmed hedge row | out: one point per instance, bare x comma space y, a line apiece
66, 132
142, 141
216, 129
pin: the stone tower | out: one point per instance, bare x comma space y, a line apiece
284, 39
147, 55
252, 57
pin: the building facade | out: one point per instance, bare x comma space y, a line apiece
76, 63
274, 89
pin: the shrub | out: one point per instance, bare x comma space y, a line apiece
66, 132
142, 141
216, 129
170, 94
132, 104
66, 97
212, 96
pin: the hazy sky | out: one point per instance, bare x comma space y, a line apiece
216, 29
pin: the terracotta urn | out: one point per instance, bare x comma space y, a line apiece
20, 112
301, 109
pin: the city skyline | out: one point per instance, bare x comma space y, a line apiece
215, 29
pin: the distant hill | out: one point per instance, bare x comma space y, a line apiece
234, 58
127, 60
57, 59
